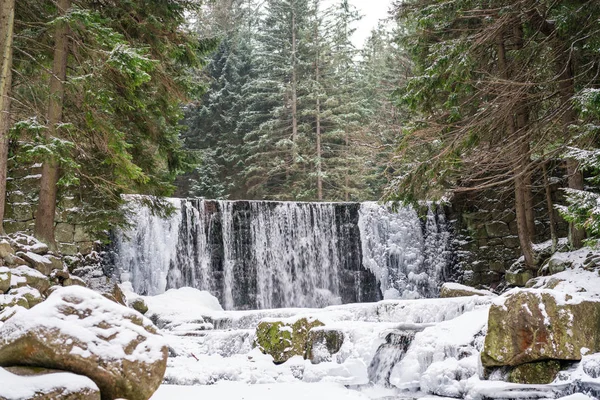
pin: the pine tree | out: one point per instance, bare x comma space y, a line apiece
213, 124
488, 104
129, 69
278, 114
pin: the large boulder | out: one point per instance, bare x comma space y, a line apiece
532, 325
80, 331
284, 340
41, 384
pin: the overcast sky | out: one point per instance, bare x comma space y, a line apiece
372, 11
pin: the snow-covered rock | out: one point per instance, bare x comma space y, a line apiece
80, 331
31, 277
185, 309
535, 325
26, 384
450, 289
44, 264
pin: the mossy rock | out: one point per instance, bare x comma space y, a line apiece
323, 343
537, 325
284, 340
518, 278
139, 305
536, 373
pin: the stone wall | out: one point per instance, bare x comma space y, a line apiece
487, 240
22, 196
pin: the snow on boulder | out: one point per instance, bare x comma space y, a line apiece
31, 277
80, 331
42, 263
535, 325
179, 307
450, 289
27, 383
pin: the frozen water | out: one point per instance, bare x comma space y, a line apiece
261, 255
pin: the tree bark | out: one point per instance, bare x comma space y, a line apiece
294, 88
523, 202
44, 222
550, 205
7, 17
318, 111
566, 86
346, 174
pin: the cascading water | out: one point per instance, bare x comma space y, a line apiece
255, 254
388, 355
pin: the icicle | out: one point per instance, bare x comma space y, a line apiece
283, 254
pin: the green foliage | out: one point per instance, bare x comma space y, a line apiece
131, 65
480, 67
583, 206
243, 127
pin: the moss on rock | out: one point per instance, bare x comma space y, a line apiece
322, 343
537, 325
284, 340
542, 372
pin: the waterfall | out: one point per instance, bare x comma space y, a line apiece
258, 254
388, 355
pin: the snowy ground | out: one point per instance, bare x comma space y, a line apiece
212, 354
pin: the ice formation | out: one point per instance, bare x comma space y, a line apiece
260, 255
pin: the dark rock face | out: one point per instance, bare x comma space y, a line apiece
486, 229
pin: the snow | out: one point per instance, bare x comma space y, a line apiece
25, 387
578, 281
221, 351
238, 391
458, 286
90, 332
24, 270
442, 357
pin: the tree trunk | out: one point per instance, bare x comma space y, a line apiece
7, 16
346, 174
44, 222
294, 89
523, 202
319, 152
575, 177
550, 205
318, 116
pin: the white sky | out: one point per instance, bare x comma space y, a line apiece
372, 11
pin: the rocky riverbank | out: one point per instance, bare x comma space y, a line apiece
62, 340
